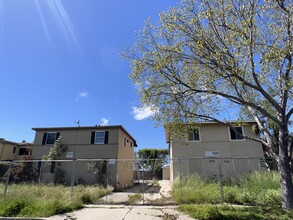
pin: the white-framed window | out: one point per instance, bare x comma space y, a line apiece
236, 135
51, 137
100, 137
193, 135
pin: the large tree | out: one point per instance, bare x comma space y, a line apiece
214, 59
153, 159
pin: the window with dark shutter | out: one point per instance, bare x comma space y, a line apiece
100, 137
51, 137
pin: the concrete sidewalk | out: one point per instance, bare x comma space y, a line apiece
122, 212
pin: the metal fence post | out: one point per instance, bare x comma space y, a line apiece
220, 180
107, 179
7, 178
143, 170
180, 179
40, 177
73, 176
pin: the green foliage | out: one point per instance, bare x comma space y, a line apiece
55, 153
43, 200
132, 199
99, 169
194, 189
254, 189
56, 150
153, 159
3, 169
225, 212
206, 57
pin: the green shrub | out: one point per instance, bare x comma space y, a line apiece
225, 212
262, 188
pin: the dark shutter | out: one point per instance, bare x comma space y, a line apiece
106, 137
39, 165
57, 135
232, 134
93, 137
44, 138
52, 170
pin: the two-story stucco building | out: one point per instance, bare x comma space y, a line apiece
214, 147
10, 150
111, 143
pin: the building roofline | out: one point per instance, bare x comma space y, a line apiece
2, 140
86, 128
167, 132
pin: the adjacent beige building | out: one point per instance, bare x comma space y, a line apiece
212, 149
113, 144
10, 150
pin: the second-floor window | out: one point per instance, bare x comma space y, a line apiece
193, 135
236, 135
99, 137
50, 137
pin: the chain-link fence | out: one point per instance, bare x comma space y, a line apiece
129, 176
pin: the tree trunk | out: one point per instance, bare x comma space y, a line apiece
285, 172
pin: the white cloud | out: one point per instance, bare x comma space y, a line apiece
105, 121
82, 94
142, 113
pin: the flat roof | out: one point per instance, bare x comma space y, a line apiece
87, 128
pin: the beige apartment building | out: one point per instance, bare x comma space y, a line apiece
213, 149
113, 144
10, 150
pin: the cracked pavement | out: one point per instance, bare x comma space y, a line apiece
122, 212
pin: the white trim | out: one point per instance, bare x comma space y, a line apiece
96, 137
243, 139
48, 136
199, 136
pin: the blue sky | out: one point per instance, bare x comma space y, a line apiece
60, 63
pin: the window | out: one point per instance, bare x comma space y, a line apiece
193, 135
99, 137
23, 151
124, 141
14, 150
238, 135
50, 137
131, 144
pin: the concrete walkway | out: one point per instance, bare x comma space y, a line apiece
159, 193
121, 212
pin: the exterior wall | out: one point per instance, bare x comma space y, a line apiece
10, 151
6, 151
78, 146
215, 138
125, 166
79, 142
166, 173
